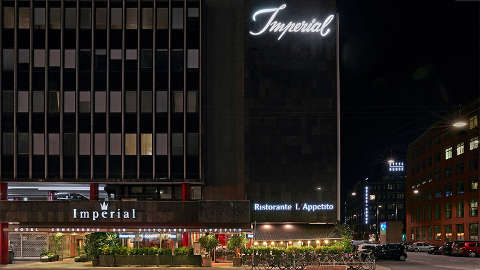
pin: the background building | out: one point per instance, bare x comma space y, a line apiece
380, 198
442, 181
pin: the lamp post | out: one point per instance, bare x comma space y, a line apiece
378, 226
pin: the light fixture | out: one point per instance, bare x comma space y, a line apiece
272, 243
290, 242
326, 241
288, 226
459, 124
319, 188
267, 226
318, 241
390, 161
281, 242
255, 243
264, 243
415, 191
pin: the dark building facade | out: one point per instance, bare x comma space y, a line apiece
442, 181
380, 198
175, 104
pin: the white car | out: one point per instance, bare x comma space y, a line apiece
420, 247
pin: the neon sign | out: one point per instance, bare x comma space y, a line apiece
306, 207
104, 213
282, 28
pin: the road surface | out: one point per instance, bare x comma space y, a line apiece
425, 261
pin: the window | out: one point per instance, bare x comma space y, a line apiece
146, 144
448, 172
69, 102
438, 232
131, 18
85, 18
162, 101
39, 18
70, 18
460, 148
473, 207
54, 22
116, 18
147, 18
101, 18
460, 168
100, 101
448, 190
473, 122
474, 184
460, 232
131, 101
177, 144
115, 101
22, 144
115, 144
177, 18
460, 210
84, 147
448, 153
473, 143
192, 59
100, 144
84, 102
38, 58
130, 144
178, 101
162, 144
8, 17
162, 18
473, 231
460, 188
448, 232
448, 210
195, 193
438, 193
38, 144
24, 20
53, 144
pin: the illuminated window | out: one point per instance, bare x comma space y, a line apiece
474, 143
448, 232
130, 144
460, 148
438, 232
473, 231
473, 122
131, 18
24, 20
474, 185
146, 144
460, 232
460, 210
473, 207
448, 153
8, 17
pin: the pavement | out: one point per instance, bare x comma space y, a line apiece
425, 261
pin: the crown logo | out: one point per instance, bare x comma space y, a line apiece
104, 206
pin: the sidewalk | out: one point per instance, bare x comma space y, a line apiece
71, 265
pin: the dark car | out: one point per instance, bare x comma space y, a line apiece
435, 250
446, 248
69, 197
395, 251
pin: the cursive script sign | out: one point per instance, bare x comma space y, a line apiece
282, 28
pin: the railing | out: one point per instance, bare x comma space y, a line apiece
307, 261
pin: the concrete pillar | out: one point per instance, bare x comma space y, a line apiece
94, 192
3, 226
185, 192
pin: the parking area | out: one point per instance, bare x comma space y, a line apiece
425, 261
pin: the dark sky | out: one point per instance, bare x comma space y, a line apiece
404, 64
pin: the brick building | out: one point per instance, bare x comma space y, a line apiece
442, 181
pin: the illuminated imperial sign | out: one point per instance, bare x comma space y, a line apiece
104, 213
273, 26
307, 207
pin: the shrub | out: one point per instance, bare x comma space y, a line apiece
208, 242
185, 251
235, 243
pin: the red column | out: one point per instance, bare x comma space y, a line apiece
94, 192
185, 192
3, 235
185, 240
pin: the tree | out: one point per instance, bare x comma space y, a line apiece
209, 243
235, 243
95, 242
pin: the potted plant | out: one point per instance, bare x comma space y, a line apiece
208, 243
95, 242
234, 244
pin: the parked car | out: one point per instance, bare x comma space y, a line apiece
435, 250
69, 197
366, 250
395, 251
466, 248
420, 247
446, 248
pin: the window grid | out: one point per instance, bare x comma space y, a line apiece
65, 109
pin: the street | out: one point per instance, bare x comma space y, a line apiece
425, 261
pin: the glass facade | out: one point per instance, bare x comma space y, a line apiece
104, 90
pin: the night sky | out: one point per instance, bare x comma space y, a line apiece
404, 64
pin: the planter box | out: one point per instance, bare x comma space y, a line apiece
164, 259
237, 262
206, 262
123, 260
148, 260
106, 260
195, 260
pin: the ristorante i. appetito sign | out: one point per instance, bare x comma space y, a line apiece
104, 213
273, 26
306, 207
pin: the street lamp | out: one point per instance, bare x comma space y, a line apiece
378, 227
459, 124
354, 193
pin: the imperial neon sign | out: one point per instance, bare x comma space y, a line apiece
104, 213
281, 28
305, 207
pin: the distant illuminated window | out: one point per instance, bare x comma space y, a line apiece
448, 153
473, 122
474, 143
460, 148
396, 166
